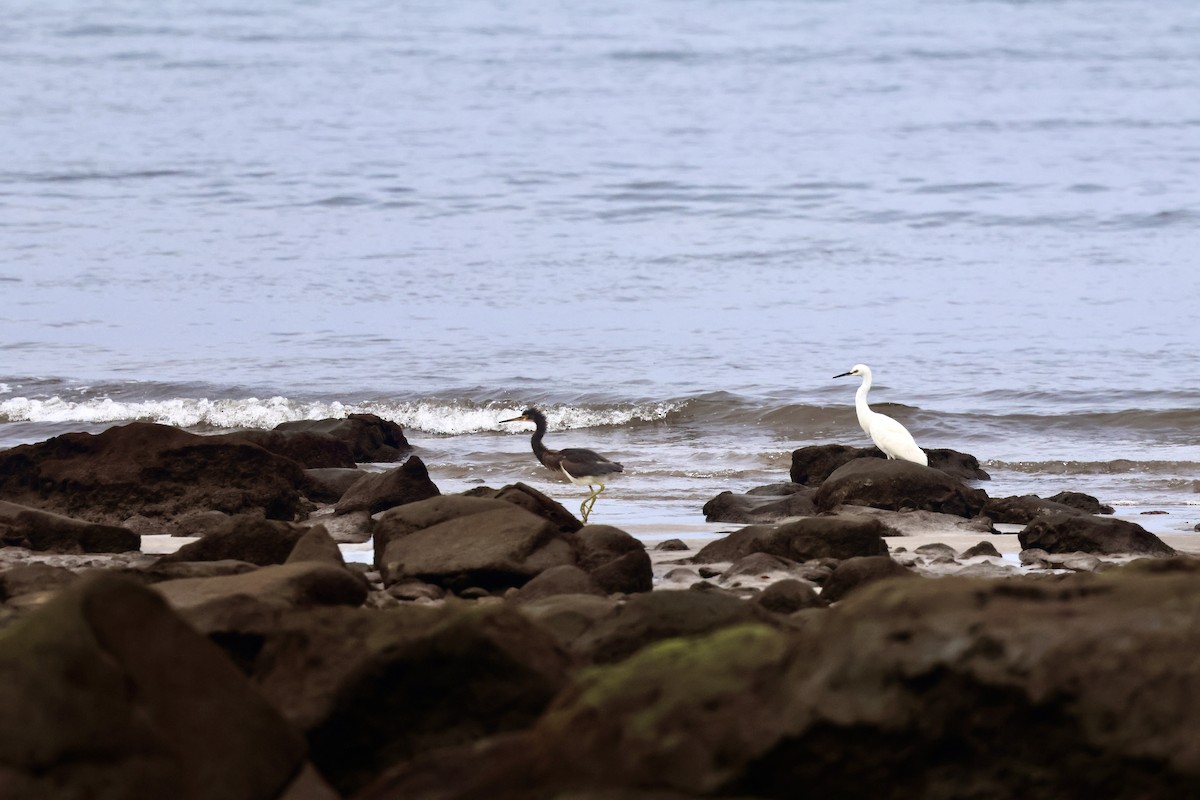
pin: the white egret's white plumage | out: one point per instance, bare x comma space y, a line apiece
889, 436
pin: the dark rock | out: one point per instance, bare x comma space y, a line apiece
352, 528
155, 471
243, 538
709, 572
789, 596
368, 437
936, 549
616, 561
653, 616
488, 543
778, 490
1089, 534
206, 602
565, 579
1023, 509
369, 688
1084, 502
672, 545
916, 523
802, 540
375, 492
895, 485
533, 501
199, 523
751, 508
308, 449
27, 578
1023, 687
955, 464
45, 531
107, 693
416, 590
174, 570
855, 573
327, 485
981, 549
812, 465
567, 617
759, 564
316, 545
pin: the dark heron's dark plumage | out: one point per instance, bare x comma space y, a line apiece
581, 466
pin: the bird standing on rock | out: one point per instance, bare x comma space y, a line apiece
581, 466
889, 436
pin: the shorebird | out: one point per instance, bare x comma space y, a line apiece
889, 436
581, 466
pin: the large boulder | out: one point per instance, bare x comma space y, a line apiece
1045, 688
813, 464
533, 501
368, 437
375, 492
895, 485
855, 573
308, 449
655, 616
32, 528
1024, 509
493, 543
369, 688
760, 507
243, 538
461, 542
154, 471
616, 561
801, 540
1089, 534
108, 694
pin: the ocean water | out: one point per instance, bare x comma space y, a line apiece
668, 223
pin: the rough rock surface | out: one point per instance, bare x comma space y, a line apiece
155, 471
368, 437
615, 560
1024, 509
951, 688
896, 485
371, 687
107, 693
1089, 534
855, 573
21, 526
813, 464
458, 542
654, 616
533, 501
801, 540
917, 523
376, 492
327, 485
308, 449
243, 538
760, 508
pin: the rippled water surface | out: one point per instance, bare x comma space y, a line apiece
669, 222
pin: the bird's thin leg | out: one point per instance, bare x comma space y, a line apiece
583, 509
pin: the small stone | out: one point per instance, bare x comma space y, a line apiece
1153, 513
474, 593
415, 590
789, 596
672, 545
936, 549
981, 549
709, 572
1033, 557
682, 574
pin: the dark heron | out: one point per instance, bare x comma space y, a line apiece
583, 467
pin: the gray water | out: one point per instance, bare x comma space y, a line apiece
671, 223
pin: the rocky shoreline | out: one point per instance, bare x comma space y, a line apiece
876, 629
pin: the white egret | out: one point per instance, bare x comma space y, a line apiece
889, 436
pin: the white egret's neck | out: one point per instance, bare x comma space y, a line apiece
860, 402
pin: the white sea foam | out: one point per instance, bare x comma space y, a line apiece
5, 388
435, 417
